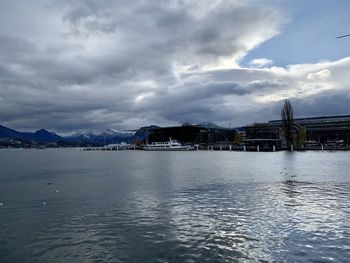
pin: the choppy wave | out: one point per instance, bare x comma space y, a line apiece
207, 221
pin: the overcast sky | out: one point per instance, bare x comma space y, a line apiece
74, 65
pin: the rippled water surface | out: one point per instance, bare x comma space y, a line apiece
133, 206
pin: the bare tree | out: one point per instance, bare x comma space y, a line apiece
288, 121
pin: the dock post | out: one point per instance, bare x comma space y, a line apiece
244, 148
258, 148
197, 146
230, 147
212, 148
322, 147
220, 147
291, 147
208, 147
274, 148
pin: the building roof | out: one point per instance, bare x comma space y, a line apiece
319, 118
200, 126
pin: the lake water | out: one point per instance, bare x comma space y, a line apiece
66, 205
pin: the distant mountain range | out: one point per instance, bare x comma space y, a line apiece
208, 124
39, 136
108, 137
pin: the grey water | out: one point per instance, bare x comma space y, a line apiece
66, 205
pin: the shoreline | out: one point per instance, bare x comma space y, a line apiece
206, 149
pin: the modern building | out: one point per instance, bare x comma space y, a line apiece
203, 134
318, 130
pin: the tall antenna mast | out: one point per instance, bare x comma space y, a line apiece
347, 35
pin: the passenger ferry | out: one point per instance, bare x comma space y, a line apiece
171, 145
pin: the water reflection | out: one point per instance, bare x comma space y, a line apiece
214, 222
238, 208
275, 221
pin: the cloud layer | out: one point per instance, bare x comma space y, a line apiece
92, 65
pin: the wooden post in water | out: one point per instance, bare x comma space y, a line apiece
220, 147
291, 147
322, 147
244, 148
230, 147
273, 148
258, 148
208, 148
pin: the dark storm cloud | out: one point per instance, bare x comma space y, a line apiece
13, 49
70, 65
327, 103
210, 101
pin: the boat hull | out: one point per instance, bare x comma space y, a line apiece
168, 149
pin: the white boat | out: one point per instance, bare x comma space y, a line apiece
171, 145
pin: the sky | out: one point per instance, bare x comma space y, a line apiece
74, 65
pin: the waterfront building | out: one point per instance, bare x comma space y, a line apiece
318, 130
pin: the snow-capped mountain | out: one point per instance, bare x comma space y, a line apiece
113, 133
106, 137
86, 135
